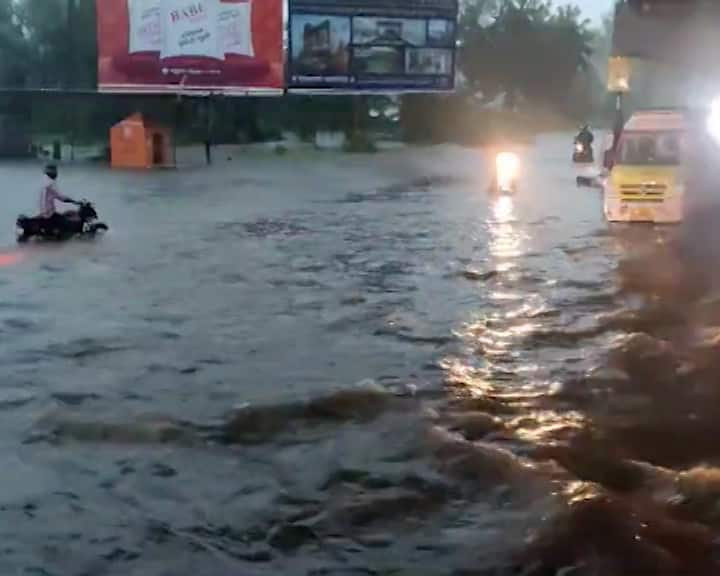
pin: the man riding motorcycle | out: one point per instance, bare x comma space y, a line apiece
583, 145
585, 136
51, 225
49, 194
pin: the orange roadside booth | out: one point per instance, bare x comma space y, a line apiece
138, 143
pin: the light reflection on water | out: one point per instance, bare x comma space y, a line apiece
503, 210
505, 241
500, 364
545, 425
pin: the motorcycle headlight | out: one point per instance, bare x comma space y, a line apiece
507, 167
713, 120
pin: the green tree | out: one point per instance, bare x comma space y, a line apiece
567, 50
14, 48
60, 36
523, 47
476, 43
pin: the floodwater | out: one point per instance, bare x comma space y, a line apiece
332, 365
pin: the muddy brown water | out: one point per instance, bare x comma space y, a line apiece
358, 365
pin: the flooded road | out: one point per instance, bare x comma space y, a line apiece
357, 365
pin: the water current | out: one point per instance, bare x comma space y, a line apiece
333, 365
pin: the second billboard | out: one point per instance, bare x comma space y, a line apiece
358, 45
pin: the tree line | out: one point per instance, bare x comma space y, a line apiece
512, 55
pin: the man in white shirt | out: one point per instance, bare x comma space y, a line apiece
50, 194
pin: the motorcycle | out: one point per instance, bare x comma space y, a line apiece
583, 153
507, 168
82, 222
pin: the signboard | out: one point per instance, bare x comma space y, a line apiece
226, 46
372, 45
619, 72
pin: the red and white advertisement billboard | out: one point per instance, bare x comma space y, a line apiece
219, 46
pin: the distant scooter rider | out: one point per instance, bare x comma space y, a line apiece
49, 194
585, 137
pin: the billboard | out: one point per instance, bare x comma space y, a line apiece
155, 46
372, 45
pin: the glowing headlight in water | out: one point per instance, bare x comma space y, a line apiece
507, 167
503, 209
713, 121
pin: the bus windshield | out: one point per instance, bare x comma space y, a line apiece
651, 149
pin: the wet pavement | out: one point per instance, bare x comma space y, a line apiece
320, 364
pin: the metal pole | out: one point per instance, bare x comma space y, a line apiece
208, 134
356, 115
619, 120
178, 104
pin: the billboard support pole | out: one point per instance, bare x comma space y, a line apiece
356, 117
208, 130
178, 110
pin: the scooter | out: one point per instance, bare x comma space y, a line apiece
583, 153
82, 222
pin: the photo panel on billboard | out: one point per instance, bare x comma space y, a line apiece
378, 61
225, 46
441, 33
386, 45
389, 31
320, 45
429, 61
